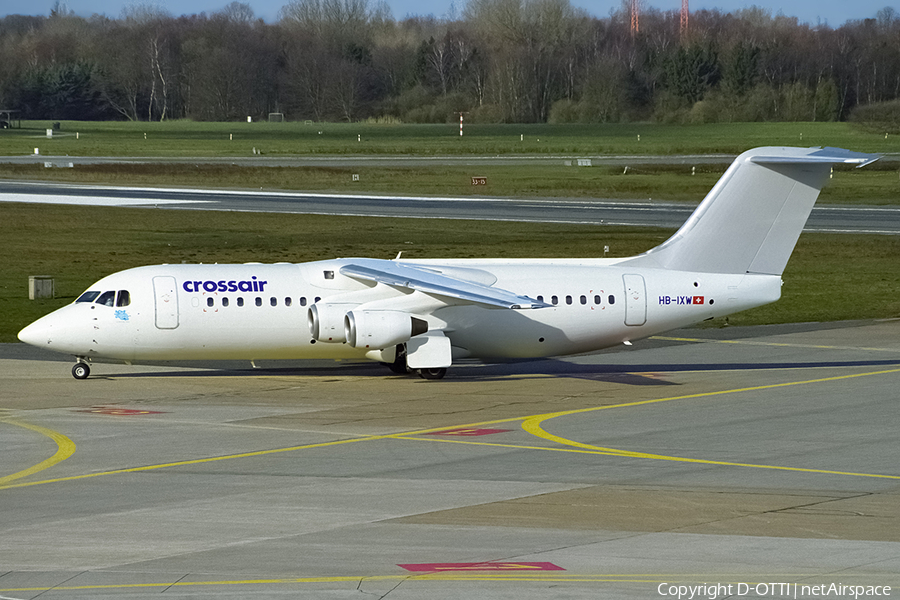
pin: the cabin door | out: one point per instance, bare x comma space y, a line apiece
635, 300
165, 295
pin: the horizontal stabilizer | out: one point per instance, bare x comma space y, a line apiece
751, 219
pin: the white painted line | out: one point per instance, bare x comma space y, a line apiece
92, 201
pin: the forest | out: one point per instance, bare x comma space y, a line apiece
494, 61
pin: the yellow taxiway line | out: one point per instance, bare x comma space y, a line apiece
532, 424
64, 449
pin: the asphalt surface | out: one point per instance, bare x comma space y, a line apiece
874, 220
765, 457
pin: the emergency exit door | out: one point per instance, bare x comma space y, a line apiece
635, 300
165, 296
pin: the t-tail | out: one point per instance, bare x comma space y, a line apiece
751, 219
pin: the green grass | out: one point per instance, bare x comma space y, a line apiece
877, 184
830, 277
188, 138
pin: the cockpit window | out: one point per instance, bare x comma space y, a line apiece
107, 298
88, 297
124, 298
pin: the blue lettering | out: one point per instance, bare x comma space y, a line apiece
247, 285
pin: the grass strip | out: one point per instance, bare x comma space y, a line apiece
877, 184
190, 138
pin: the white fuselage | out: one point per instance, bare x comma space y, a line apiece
260, 311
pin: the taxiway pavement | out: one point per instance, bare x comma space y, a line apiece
763, 455
883, 220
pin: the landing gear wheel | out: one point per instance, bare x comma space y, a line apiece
432, 373
81, 370
399, 364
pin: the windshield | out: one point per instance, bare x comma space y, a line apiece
88, 297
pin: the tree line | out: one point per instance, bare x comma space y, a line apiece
493, 60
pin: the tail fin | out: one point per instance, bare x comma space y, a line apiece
751, 219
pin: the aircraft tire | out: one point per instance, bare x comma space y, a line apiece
81, 370
432, 373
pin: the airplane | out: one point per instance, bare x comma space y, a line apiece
422, 315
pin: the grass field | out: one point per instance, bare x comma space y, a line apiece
830, 277
189, 138
878, 184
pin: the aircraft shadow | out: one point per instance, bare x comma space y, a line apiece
652, 374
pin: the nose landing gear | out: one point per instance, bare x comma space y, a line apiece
81, 370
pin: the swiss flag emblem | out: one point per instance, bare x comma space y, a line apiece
697, 300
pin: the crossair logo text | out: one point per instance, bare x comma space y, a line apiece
681, 300
247, 285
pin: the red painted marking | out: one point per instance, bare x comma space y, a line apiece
104, 410
467, 431
484, 566
697, 300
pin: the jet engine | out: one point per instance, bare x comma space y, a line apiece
326, 322
381, 328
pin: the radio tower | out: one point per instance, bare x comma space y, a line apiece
635, 17
684, 18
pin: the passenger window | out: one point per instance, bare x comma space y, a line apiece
258, 301
317, 299
287, 301
107, 298
540, 298
612, 299
224, 301
597, 300
210, 301
584, 299
240, 301
273, 301
124, 298
568, 299
554, 300
303, 301
88, 297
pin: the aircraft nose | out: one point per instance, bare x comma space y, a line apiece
37, 334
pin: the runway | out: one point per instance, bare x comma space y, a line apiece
830, 219
765, 457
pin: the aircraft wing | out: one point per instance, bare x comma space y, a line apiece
425, 280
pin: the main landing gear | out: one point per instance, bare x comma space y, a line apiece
400, 367
81, 370
432, 373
